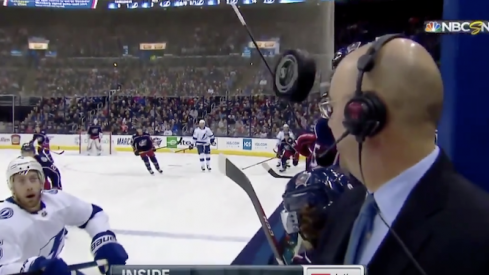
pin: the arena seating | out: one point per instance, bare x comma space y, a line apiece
202, 74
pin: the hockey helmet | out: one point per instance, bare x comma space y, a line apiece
317, 189
23, 165
27, 148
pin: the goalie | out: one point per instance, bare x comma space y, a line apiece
142, 144
94, 135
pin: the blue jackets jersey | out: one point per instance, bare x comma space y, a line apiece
142, 142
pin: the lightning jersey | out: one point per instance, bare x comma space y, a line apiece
142, 143
94, 132
26, 236
281, 134
203, 136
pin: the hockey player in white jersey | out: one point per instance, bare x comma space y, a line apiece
280, 138
94, 135
32, 225
203, 138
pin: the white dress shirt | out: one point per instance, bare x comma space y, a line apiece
390, 198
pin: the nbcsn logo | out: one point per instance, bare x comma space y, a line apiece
468, 27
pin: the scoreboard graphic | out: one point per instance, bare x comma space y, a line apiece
238, 270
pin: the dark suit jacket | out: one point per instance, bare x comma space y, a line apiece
444, 223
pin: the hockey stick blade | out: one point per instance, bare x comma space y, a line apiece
73, 268
273, 173
231, 171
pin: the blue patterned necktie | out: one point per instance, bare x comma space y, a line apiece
361, 231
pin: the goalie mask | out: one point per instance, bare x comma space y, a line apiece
317, 189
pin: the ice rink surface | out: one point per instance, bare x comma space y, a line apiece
184, 216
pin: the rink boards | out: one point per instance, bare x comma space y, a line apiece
233, 146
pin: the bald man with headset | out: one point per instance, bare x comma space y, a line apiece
417, 215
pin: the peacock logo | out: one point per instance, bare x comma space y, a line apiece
432, 27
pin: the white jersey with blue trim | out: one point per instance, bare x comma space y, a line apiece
281, 134
203, 136
26, 236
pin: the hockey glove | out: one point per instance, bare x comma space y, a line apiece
54, 266
191, 146
154, 149
304, 144
105, 246
136, 153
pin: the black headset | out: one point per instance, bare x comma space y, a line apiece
365, 113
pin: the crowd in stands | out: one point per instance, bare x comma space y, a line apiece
94, 67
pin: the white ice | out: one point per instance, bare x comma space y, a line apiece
184, 216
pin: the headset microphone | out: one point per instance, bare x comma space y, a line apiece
343, 136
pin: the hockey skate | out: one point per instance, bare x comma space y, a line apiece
151, 172
209, 168
203, 168
283, 168
160, 171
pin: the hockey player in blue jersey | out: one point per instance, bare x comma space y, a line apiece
41, 141
306, 198
314, 145
286, 150
51, 172
143, 146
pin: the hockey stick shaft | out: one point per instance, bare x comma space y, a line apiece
73, 268
263, 161
235, 174
54, 152
253, 165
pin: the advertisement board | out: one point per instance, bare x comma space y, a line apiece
224, 145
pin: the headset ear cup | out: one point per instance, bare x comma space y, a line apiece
365, 115
377, 114
354, 114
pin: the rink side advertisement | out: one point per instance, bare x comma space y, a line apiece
237, 270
